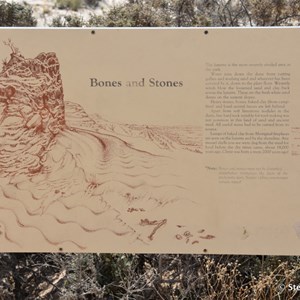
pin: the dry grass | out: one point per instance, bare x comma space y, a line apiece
127, 276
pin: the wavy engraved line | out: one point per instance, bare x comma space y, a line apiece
116, 164
36, 142
89, 230
14, 134
134, 166
77, 165
72, 207
11, 159
60, 159
80, 141
135, 159
99, 198
109, 159
96, 213
124, 162
14, 124
77, 130
16, 161
141, 185
131, 155
11, 144
69, 195
115, 160
35, 197
118, 218
125, 155
138, 237
27, 210
46, 184
7, 237
112, 164
98, 136
22, 225
139, 175
38, 190
152, 162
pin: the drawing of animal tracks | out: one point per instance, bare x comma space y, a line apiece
70, 181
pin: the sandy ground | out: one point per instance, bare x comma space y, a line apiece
46, 10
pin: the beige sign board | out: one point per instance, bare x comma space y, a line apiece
150, 140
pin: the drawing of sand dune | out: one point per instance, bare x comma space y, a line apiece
163, 137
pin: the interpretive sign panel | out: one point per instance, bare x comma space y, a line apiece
153, 140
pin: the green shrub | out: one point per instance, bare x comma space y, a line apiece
68, 21
14, 14
69, 4
92, 3
133, 15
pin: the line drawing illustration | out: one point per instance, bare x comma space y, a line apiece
69, 179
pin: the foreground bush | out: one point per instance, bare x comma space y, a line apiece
128, 276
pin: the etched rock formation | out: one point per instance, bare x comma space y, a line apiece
31, 110
32, 89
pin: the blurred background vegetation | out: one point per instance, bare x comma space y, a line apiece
144, 276
161, 13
